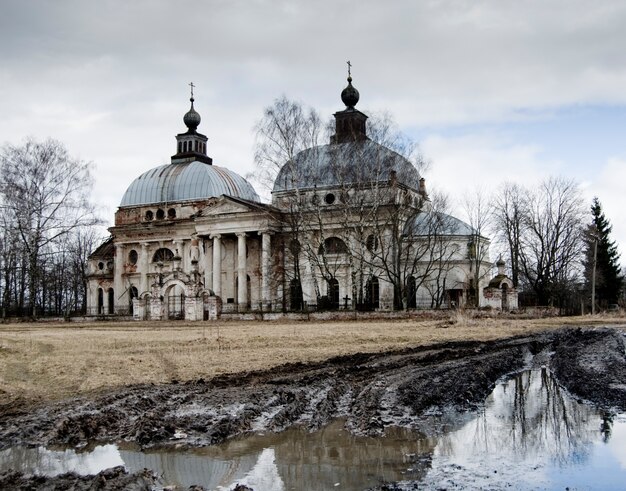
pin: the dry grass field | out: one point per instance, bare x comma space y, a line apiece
45, 362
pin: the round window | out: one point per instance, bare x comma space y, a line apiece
171, 213
329, 198
149, 215
160, 214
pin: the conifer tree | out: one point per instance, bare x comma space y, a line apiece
608, 278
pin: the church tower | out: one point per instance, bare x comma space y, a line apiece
191, 145
349, 123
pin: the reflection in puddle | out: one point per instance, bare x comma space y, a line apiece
530, 434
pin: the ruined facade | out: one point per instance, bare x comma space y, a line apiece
350, 226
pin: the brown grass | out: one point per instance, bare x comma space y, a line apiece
47, 362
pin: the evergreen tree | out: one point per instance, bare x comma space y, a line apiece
609, 281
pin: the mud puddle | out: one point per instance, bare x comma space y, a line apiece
530, 433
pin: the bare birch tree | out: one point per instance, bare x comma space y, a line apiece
45, 195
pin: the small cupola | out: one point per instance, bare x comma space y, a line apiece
349, 123
191, 145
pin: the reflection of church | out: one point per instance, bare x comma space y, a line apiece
193, 240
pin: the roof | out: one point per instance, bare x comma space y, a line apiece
186, 181
345, 163
106, 250
431, 222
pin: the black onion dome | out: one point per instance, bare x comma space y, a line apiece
349, 95
192, 118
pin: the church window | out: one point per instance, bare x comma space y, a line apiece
471, 250
149, 216
315, 199
333, 245
329, 198
162, 254
171, 213
100, 265
132, 257
371, 243
180, 147
160, 214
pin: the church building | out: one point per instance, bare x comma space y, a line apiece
350, 227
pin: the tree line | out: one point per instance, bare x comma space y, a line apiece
48, 229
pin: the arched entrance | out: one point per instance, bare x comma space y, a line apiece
175, 298
111, 301
132, 293
295, 295
411, 291
100, 301
372, 294
333, 293
505, 296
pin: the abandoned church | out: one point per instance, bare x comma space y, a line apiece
350, 227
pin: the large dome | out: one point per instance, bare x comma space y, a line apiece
186, 181
343, 163
429, 223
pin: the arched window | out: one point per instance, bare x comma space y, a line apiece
295, 294
372, 293
162, 254
333, 293
132, 257
333, 245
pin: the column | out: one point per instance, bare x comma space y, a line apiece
242, 282
265, 269
117, 274
217, 264
208, 264
144, 268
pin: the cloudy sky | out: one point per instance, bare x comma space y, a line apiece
492, 90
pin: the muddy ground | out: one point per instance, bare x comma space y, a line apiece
372, 392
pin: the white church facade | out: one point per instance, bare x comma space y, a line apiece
350, 227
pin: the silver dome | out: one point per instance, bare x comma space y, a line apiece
186, 181
428, 223
342, 163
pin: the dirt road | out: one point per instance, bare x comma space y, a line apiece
371, 391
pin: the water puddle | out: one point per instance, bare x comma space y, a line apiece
529, 435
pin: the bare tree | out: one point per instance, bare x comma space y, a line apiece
286, 129
510, 212
478, 211
45, 196
551, 250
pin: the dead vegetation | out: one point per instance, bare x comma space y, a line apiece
47, 362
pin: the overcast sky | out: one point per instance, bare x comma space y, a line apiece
492, 90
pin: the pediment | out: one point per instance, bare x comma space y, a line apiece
226, 206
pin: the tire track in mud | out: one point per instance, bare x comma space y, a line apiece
371, 391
